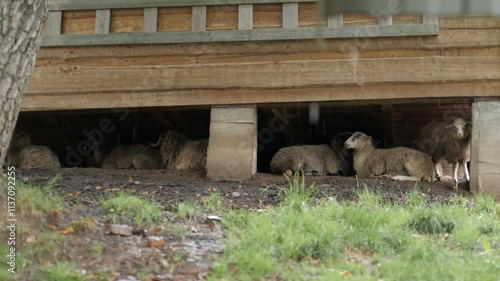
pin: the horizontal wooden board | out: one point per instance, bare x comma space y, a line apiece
397, 92
58, 5
236, 35
263, 75
127, 20
174, 19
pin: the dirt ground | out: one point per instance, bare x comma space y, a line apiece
136, 257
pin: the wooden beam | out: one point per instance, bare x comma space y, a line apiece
430, 19
336, 21
55, 20
238, 35
150, 19
102, 21
290, 15
61, 5
245, 17
384, 19
269, 74
199, 18
396, 92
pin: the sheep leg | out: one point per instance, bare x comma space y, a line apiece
437, 167
466, 171
455, 171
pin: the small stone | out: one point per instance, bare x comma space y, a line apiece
236, 194
26, 179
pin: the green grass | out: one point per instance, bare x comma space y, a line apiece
37, 202
133, 208
61, 271
364, 240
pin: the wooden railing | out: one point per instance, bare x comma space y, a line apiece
289, 30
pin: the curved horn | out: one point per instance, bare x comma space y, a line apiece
157, 143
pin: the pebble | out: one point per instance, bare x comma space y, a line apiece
236, 194
25, 179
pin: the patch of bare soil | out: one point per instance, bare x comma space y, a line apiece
156, 252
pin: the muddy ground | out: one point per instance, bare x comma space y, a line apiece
137, 257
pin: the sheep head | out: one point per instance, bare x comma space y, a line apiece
461, 127
357, 140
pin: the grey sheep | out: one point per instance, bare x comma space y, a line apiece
137, 156
178, 152
23, 154
448, 142
323, 159
398, 163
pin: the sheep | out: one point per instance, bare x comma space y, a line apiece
369, 161
178, 152
192, 156
37, 156
23, 154
323, 159
135, 156
447, 142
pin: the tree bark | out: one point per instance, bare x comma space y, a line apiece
21, 24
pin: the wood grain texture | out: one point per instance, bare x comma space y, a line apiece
150, 21
102, 21
199, 19
397, 92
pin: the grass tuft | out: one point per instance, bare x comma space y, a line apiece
130, 207
431, 222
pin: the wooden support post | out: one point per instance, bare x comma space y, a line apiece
336, 21
290, 15
232, 149
199, 18
55, 20
384, 19
485, 150
150, 19
102, 21
387, 119
245, 17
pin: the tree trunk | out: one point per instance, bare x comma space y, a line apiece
21, 24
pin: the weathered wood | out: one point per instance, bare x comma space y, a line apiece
485, 152
232, 149
199, 19
102, 21
430, 19
336, 21
55, 20
62, 5
377, 93
384, 19
290, 15
245, 17
150, 19
269, 74
237, 35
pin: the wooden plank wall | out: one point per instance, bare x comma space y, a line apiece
462, 61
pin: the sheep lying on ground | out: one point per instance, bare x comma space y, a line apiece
323, 159
178, 152
22, 154
447, 142
135, 156
398, 162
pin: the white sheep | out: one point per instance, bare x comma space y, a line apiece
398, 162
325, 159
447, 142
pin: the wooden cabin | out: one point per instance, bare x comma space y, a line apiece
245, 73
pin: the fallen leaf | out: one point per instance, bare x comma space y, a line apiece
52, 227
345, 274
31, 239
193, 229
211, 225
74, 193
112, 189
98, 187
130, 179
155, 241
156, 229
57, 213
67, 230
233, 269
